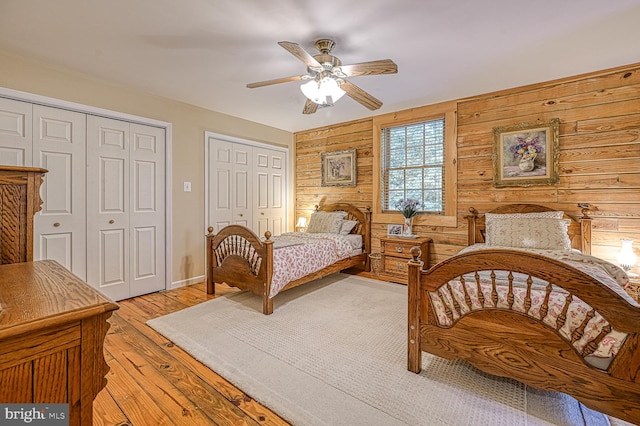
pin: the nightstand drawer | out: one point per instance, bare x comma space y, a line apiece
396, 265
398, 248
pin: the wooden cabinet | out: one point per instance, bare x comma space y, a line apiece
52, 331
19, 201
396, 252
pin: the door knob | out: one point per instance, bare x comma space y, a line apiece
112, 221
56, 225
240, 215
262, 213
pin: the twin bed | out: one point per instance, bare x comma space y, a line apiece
522, 302
338, 237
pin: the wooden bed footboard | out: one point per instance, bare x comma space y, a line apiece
513, 343
237, 256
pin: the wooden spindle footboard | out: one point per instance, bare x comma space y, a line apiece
519, 340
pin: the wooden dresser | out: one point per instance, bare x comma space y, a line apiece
396, 253
52, 331
19, 201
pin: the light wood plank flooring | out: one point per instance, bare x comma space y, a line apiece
153, 382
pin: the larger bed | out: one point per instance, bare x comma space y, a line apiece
238, 257
547, 316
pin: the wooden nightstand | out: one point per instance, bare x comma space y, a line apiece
396, 253
634, 287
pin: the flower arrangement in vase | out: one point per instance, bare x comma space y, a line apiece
526, 151
409, 208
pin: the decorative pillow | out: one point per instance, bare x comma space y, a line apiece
553, 214
325, 222
490, 217
347, 226
530, 232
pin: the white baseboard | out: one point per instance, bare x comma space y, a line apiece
188, 281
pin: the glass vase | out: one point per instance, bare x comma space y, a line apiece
406, 228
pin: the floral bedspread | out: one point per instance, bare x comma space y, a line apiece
607, 273
297, 254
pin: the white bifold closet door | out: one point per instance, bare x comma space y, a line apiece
270, 192
59, 145
54, 139
246, 186
229, 184
125, 207
103, 212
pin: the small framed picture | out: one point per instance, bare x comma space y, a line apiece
339, 168
526, 154
394, 230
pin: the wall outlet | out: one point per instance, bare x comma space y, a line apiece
187, 187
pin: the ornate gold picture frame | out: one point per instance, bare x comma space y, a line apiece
526, 154
339, 168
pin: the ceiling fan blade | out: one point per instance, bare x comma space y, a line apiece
384, 66
276, 81
310, 107
360, 95
303, 55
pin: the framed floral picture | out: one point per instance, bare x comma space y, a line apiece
339, 168
526, 154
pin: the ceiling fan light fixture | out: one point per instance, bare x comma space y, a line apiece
323, 91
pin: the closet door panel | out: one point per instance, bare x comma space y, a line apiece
261, 206
147, 209
219, 181
241, 184
262, 209
15, 132
269, 183
240, 198
277, 174
108, 201
59, 145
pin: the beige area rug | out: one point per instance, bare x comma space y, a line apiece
334, 353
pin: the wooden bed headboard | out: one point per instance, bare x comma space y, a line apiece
579, 230
353, 213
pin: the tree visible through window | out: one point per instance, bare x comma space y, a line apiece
413, 165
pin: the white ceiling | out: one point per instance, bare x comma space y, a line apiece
204, 52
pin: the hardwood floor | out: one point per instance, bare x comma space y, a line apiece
153, 382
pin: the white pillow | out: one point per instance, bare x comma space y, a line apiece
347, 226
530, 232
489, 218
325, 222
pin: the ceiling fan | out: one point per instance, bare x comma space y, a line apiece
326, 77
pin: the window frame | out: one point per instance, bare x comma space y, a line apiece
446, 110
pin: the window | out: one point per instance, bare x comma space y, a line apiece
413, 165
415, 157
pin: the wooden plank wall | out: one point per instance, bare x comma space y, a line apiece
599, 157
308, 148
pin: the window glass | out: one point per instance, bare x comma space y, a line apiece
413, 165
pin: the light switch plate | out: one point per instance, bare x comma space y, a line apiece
187, 187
